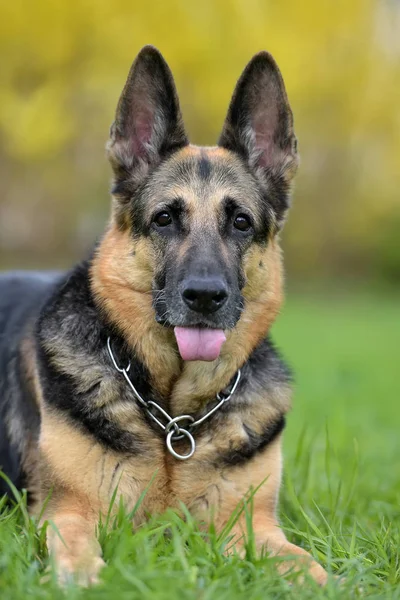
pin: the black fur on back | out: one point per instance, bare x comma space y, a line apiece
22, 295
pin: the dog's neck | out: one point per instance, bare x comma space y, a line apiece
128, 304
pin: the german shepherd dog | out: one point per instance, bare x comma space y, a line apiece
151, 361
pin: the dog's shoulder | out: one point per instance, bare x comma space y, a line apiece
77, 378
266, 367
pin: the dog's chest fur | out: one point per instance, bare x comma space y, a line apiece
210, 483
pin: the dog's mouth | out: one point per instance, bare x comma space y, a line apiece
199, 343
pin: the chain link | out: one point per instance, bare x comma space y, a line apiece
173, 431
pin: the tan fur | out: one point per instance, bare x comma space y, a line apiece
27, 444
119, 281
83, 476
122, 283
71, 538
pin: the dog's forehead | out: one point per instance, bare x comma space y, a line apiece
204, 173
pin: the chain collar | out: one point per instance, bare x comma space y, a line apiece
172, 429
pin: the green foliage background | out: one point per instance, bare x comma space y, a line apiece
63, 65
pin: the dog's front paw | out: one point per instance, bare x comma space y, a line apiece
84, 572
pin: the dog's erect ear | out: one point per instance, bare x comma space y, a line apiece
259, 123
148, 123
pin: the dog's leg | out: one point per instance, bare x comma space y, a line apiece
270, 537
72, 470
72, 541
263, 475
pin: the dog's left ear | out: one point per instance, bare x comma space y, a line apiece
148, 124
259, 127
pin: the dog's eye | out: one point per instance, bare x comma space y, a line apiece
163, 219
242, 223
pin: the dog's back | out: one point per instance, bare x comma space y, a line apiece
22, 294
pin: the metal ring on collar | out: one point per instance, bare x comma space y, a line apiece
173, 423
184, 433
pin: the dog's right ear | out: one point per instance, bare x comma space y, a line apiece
148, 123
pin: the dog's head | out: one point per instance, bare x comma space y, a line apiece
195, 214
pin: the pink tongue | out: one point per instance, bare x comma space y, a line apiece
199, 344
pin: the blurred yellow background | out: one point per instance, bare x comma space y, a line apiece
63, 66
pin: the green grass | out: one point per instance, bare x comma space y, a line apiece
341, 491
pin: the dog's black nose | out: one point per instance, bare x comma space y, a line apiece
205, 295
